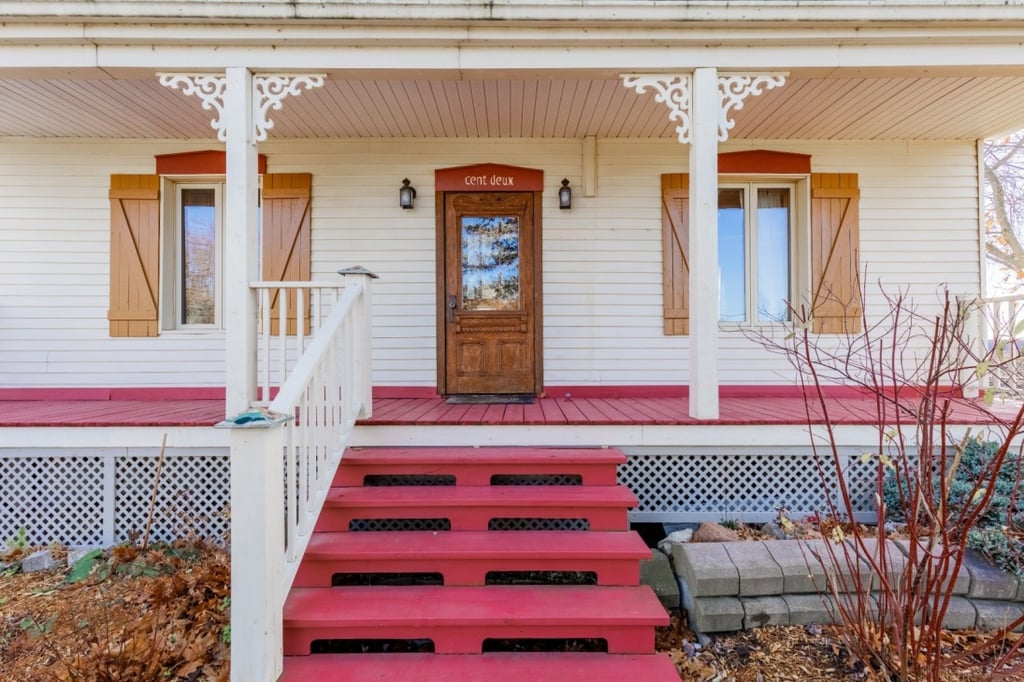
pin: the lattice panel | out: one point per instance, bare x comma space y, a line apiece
538, 524
365, 525
54, 498
861, 482
386, 480
536, 479
192, 497
748, 486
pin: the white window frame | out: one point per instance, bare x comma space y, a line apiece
799, 242
172, 295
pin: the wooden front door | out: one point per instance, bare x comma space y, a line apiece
489, 293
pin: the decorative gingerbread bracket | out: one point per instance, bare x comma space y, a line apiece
675, 91
268, 92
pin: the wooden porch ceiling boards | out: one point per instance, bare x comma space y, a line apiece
886, 107
750, 410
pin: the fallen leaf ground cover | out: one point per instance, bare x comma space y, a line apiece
158, 614
162, 614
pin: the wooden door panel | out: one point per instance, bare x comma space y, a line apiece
489, 289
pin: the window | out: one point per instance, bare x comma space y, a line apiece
755, 251
193, 288
167, 248
785, 235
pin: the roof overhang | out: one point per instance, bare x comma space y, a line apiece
857, 70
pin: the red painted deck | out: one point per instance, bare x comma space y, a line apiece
767, 409
751, 406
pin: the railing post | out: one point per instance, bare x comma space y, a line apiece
257, 547
363, 343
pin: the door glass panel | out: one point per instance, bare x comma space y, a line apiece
490, 262
198, 256
732, 258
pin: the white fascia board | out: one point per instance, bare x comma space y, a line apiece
108, 436
695, 11
521, 61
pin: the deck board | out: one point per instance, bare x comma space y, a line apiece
434, 410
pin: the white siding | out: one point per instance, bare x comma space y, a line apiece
602, 259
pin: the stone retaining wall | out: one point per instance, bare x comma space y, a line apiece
728, 586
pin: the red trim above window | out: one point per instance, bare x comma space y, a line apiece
208, 162
764, 161
488, 177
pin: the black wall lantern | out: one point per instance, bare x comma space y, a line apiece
565, 195
406, 193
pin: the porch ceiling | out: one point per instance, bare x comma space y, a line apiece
853, 105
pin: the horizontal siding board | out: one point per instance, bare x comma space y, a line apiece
602, 260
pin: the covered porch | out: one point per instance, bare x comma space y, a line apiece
346, 100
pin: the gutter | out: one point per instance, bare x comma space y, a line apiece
595, 12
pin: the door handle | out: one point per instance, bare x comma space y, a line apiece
452, 304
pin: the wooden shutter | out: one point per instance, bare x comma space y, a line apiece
835, 261
286, 237
675, 249
134, 255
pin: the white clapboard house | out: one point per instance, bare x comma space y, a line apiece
575, 218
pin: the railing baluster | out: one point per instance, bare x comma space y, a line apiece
282, 335
291, 494
265, 353
300, 322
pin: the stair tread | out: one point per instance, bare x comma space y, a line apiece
419, 545
492, 667
487, 455
432, 605
458, 496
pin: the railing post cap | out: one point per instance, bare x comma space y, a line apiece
357, 270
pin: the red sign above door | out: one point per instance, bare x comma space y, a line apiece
488, 177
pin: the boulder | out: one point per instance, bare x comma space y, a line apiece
715, 532
675, 538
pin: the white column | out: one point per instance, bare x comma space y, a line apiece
257, 552
705, 107
240, 257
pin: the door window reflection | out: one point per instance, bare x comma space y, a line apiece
490, 262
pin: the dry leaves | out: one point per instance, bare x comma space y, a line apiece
159, 614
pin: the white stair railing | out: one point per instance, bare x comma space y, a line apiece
274, 508
290, 313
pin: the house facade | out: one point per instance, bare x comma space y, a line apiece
558, 200
883, 99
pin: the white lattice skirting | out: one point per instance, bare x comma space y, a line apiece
745, 484
101, 496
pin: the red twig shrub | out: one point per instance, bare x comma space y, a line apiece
919, 369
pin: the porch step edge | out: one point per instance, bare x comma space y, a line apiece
466, 557
460, 496
459, 619
473, 455
463, 606
491, 667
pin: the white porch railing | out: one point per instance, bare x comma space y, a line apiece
284, 333
1002, 325
309, 420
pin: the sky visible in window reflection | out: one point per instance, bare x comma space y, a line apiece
772, 260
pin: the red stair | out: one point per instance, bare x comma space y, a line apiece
466, 558
461, 618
